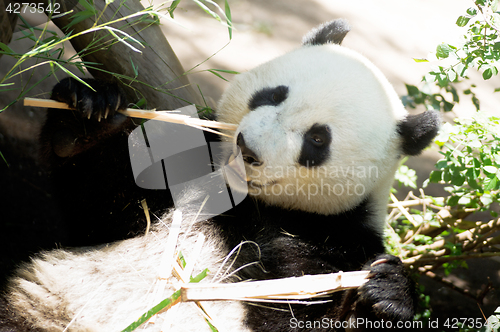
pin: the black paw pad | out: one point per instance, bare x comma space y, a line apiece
389, 294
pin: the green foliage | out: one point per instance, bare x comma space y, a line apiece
406, 176
470, 167
48, 47
440, 232
165, 305
493, 323
480, 49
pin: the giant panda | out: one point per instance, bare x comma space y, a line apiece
321, 133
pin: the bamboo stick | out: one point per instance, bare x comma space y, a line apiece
294, 288
166, 116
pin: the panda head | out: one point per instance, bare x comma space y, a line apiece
320, 128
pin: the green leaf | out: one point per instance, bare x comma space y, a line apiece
494, 5
172, 7
217, 74
487, 74
492, 184
447, 106
169, 301
441, 164
447, 176
435, 176
153, 311
134, 67
452, 75
443, 51
181, 259
207, 10
464, 200
457, 179
226, 71
79, 17
486, 199
462, 21
475, 101
490, 169
5, 160
412, 90
6, 48
453, 200
212, 328
472, 11
199, 277
420, 60
229, 20
74, 76
87, 5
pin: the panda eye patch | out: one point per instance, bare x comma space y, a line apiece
315, 146
268, 97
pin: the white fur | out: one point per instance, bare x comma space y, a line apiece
328, 84
106, 288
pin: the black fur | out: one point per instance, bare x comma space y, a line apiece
315, 146
418, 131
330, 32
268, 97
290, 243
85, 156
91, 169
292, 246
249, 156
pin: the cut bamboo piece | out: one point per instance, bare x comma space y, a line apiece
166, 116
294, 288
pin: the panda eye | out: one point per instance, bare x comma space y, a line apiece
276, 98
315, 146
268, 97
317, 140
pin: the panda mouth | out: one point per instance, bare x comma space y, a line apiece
242, 175
255, 184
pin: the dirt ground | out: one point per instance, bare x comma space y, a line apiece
389, 32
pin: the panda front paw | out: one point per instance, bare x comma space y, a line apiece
94, 118
104, 102
389, 293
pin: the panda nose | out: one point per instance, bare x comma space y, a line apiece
249, 156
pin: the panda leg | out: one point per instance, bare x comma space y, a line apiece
389, 295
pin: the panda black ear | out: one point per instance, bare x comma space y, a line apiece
418, 131
329, 32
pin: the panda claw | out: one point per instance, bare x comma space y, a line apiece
117, 103
379, 261
74, 100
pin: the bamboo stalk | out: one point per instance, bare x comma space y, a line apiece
294, 288
166, 116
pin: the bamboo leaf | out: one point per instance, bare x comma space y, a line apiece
229, 20
6, 48
208, 10
5, 160
163, 305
